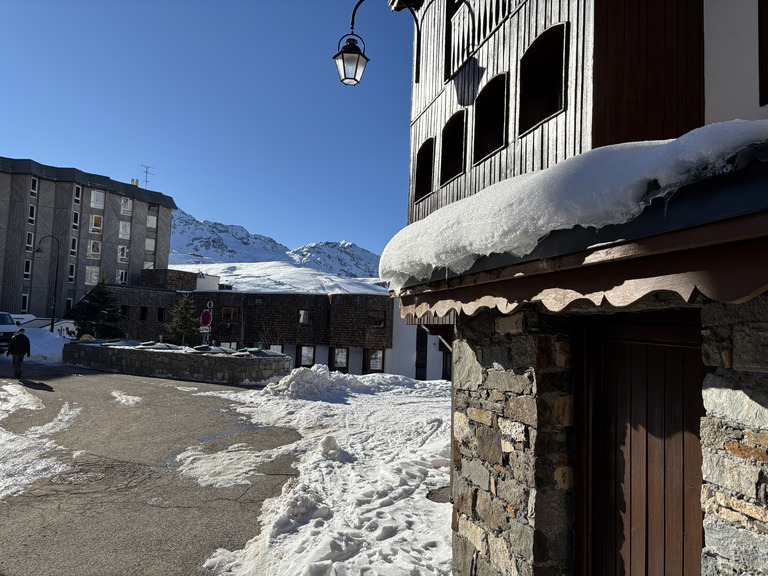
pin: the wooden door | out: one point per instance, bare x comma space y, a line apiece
642, 467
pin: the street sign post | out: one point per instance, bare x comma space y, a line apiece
206, 318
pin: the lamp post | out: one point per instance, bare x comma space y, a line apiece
351, 61
39, 254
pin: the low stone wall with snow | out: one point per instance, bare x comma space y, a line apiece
184, 366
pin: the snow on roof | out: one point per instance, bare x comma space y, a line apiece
609, 185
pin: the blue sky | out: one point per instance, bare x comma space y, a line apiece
234, 104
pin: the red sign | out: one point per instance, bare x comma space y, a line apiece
206, 318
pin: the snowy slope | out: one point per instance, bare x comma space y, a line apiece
195, 242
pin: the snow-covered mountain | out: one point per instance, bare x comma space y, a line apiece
196, 242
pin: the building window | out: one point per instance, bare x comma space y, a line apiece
149, 245
148, 265
94, 249
91, 274
143, 313
25, 303
96, 223
452, 156
126, 206
376, 318
276, 348
97, 199
33, 188
232, 344
340, 358
27, 269
375, 360
425, 160
307, 355
303, 316
70, 302
161, 314
490, 118
30, 243
77, 194
75, 220
121, 276
229, 314
32, 213
124, 310
542, 78
73, 246
71, 274
125, 231
151, 221
122, 254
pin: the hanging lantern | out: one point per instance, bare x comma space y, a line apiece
350, 60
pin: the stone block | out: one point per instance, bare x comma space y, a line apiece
521, 540
482, 416
463, 555
740, 546
747, 508
467, 372
563, 411
492, 511
715, 433
746, 451
735, 476
463, 429
522, 409
474, 533
513, 493
512, 324
759, 437
464, 497
489, 445
562, 354
515, 431
502, 558
522, 466
726, 399
476, 473
504, 381
564, 476
749, 345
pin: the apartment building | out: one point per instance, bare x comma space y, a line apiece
62, 229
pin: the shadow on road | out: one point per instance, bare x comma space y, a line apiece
35, 386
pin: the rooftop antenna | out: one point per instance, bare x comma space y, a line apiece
147, 174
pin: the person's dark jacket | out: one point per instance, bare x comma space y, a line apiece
19, 344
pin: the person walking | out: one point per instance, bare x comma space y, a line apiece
17, 348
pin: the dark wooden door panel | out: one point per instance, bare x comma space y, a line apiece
643, 515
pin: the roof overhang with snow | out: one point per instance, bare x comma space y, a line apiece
709, 237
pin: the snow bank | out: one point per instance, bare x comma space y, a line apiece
365, 466
608, 185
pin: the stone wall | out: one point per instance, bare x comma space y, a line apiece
734, 438
184, 366
513, 444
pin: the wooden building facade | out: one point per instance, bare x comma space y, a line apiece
610, 399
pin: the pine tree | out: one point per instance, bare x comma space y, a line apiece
184, 322
98, 314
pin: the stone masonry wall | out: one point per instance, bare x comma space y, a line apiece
734, 438
202, 367
513, 439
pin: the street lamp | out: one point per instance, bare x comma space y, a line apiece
39, 254
351, 61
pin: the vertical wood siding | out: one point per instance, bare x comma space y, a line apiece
648, 69
488, 38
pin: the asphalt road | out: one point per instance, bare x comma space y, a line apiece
122, 508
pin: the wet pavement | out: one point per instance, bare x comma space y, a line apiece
121, 507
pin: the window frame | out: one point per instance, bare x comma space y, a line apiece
96, 224
33, 187
305, 317
77, 194
423, 183
71, 273
300, 355
121, 276
73, 246
29, 243
75, 220
123, 254
32, 214
453, 136
27, 269
92, 274
126, 206
491, 102
124, 231
97, 199
230, 314
24, 308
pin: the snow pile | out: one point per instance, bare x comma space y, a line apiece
44, 345
124, 399
365, 466
609, 185
316, 381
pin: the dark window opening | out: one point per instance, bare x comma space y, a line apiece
124, 311
425, 160
229, 314
161, 314
491, 118
452, 157
143, 313
542, 78
377, 318
762, 26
